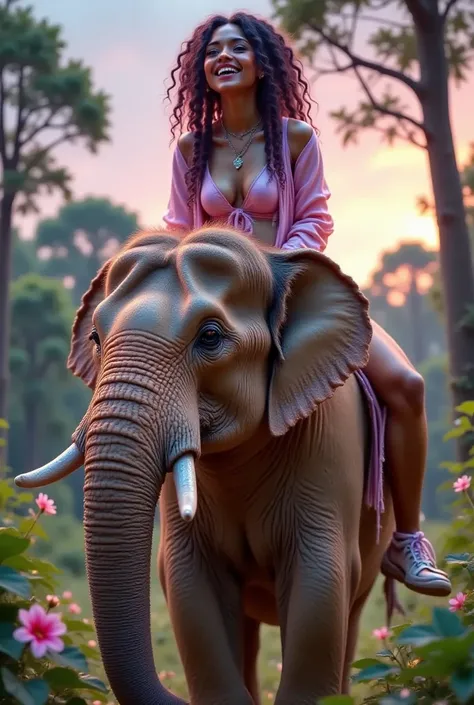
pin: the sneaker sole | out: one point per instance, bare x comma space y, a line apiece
434, 589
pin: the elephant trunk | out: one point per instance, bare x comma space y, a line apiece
118, 523
132, 441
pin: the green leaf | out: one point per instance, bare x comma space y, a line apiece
26, 564
381, 670
31, 692
25, 526
12, 581
337, 700
417, 635
70, 657
64, 679
447, 623
460, 558
8, 645
466, 407
462, 683
4, 424
366, 662
76, 701
93, 683
39, 690
11, 544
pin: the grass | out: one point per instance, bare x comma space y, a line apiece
165, 650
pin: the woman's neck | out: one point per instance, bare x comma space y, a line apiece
239, 113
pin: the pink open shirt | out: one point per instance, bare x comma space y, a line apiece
303, 217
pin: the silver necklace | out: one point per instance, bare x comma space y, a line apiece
238, 161
241, 135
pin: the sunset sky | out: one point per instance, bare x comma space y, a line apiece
131, 46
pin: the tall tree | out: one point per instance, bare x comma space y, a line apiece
44, 102
83, 235
402, 280
42, 314
416, 47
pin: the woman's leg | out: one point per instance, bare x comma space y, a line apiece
400, 387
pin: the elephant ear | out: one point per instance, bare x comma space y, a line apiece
81, 359
321, 331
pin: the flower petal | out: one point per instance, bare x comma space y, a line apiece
22, 634
39, 648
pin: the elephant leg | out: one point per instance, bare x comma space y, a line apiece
205, 608
251, 649
313, 596
352, 637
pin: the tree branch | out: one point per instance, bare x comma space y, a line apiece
450, 4
21, 118
419, 12
43, 152
44, 126
381, 108
358, 61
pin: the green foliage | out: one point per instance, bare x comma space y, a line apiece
59, 678
50, 102
41, 323
433, 662
82, 236
328, 32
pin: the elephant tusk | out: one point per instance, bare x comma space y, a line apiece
71, 459
186, 489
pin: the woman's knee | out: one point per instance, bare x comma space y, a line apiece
406, 392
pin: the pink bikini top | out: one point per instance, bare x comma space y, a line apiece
260, 203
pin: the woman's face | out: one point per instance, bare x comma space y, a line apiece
230, 61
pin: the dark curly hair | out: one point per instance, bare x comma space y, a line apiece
282, 91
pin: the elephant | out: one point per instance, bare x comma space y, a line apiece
224, 378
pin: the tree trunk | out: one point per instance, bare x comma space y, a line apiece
6, 210
416, 321
454, 244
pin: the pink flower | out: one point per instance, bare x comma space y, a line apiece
67, 594
457, 603
404, 693
381, 633
42, 629
52, 600
74, 608
462, 484
45, 504
92, 644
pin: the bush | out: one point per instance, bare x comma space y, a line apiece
44, 652
433, 663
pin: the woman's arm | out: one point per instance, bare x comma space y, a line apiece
179, 214
313, 223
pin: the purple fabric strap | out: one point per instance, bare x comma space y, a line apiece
374, 482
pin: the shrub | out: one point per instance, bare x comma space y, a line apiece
433, 663
44, 652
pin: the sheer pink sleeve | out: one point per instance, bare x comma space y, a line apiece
179, 214
312, 222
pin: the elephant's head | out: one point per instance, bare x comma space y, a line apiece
191, 346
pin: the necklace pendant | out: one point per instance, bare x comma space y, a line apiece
238, 161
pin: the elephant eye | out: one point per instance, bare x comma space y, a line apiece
94, 336
210, 337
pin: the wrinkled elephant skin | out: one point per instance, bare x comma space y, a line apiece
211, 354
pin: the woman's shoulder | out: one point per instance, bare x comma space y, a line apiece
299, 134
185, 146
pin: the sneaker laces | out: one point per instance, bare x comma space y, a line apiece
421, 550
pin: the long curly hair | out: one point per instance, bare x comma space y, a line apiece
283, 91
